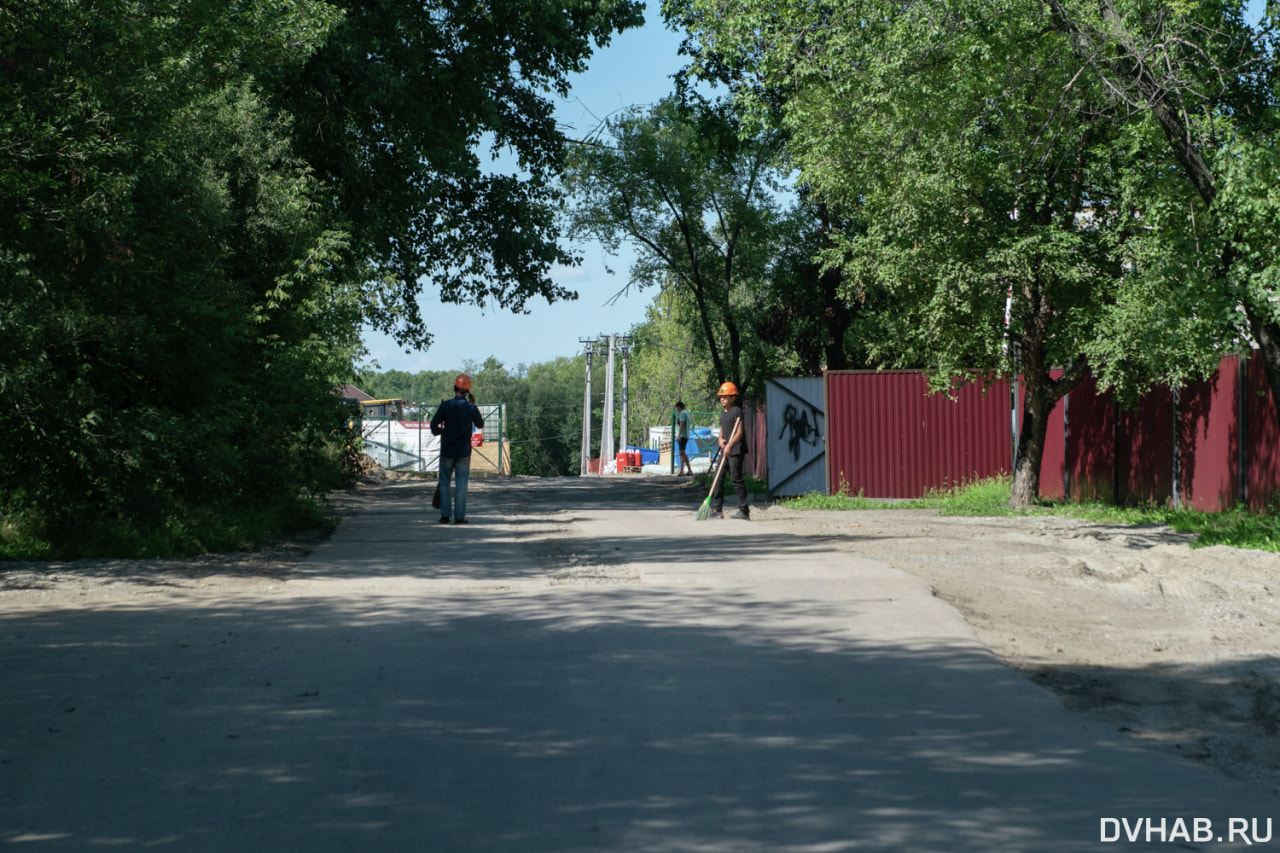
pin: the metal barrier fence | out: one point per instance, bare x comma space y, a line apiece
408, 445
704, 427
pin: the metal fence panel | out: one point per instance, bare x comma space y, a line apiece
1144, 450
1209, 440
796, 436
1213, 440
408, 445
889, 438
1262, 438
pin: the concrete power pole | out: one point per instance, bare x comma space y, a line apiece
589, 349
625, 343
606, 437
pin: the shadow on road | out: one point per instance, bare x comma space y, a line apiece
536, 718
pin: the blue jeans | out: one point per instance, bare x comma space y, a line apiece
450, 468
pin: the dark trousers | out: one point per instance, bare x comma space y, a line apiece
732, 473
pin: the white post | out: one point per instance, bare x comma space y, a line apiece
607, 454
590, 350
626, 348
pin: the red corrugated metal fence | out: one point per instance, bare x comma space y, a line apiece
887, 437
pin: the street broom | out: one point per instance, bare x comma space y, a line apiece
704, 511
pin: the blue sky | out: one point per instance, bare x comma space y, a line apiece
635, 68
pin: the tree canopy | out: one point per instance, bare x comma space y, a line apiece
699, 199
394, 114
1006, 201
203, 204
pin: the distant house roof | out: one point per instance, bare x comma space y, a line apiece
351, 392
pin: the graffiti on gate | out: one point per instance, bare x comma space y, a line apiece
798, 429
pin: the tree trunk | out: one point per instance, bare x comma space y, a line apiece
1267, 336
735, 350
704, 317
1042, 393
1036, 409
836, 315
836, 318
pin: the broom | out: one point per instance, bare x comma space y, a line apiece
704, 511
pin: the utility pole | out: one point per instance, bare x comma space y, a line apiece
625, 345
606, 438
589, 349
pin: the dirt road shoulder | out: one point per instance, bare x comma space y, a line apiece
1172, 644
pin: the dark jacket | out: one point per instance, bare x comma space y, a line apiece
453, 422
727, 419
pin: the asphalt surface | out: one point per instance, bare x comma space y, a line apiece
579, 669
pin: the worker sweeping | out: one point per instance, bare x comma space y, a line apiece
733, 450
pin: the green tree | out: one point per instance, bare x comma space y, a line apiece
666, 365
982, 174
426, 386
1197, 84
203, 204
803, 311
695, 199
392, 113
808, 308
543, 411
171, 327
550, 419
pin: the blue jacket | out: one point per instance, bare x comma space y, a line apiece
453, 422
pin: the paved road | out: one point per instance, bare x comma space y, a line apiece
572, 672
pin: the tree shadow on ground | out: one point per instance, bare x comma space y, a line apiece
565, 720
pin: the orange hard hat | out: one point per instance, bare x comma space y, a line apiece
728, 389
463, 382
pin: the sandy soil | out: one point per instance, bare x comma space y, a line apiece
1174, 645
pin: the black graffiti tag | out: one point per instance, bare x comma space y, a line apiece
801, 430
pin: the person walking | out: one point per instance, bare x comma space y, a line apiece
453, 422
733, 450
684, 421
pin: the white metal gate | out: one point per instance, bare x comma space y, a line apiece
797, 441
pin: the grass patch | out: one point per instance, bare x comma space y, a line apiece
1237, 528
817, 500
755, 485
17, 544
186, 534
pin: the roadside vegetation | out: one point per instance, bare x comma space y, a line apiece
755, 485
205, 204
1237, 528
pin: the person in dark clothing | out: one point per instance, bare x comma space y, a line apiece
733, 449
453, 422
